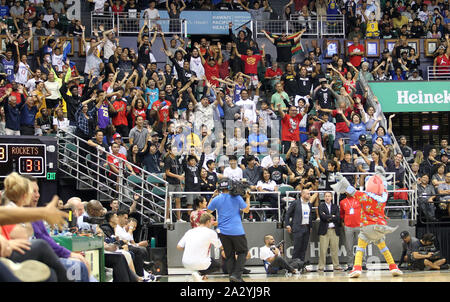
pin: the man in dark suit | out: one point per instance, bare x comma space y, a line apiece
301, 213
329, 231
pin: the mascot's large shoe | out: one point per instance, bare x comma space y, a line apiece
356, 271
395, 271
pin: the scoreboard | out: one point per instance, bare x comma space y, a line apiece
29, 155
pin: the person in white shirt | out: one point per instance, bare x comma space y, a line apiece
124, 232
61, 122
31, 83
270, 254
233, 172
196, 244
248, 105
267, 161
152, 14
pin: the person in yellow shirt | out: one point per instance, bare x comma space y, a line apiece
399, 21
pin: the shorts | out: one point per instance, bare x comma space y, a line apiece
175, 188
51, 104
254, 80
190, 198
375, 233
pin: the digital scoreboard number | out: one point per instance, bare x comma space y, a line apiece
25, 159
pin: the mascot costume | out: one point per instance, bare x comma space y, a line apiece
373, 221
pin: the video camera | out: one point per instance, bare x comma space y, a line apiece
93, 220
277, 246
235, 187
424, 250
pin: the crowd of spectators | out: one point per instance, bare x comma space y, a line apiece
215, 109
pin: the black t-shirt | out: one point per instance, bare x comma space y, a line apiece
348, 168
325, 98
276, 173
284, 53
304, 85
173, 165
144, 54
330, 179
401, 49
290, 84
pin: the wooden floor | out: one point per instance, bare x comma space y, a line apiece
369, 276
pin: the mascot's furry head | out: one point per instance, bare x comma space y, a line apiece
377, 183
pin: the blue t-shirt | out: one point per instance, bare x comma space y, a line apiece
228, 213
259, 138
355, 131
386, 139
153, 97
4, 10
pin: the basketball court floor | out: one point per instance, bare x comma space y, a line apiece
367, 276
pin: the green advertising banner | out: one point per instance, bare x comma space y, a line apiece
412, 96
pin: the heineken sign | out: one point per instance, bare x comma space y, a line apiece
412, 96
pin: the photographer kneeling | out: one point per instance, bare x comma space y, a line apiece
425, 254
270, 254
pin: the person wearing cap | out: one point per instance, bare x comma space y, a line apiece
409, 243
441, 64
230, 229
362, 141
415, 76
118, 139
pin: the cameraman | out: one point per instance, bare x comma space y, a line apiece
425, 254
230, 229
270, 254
408, 245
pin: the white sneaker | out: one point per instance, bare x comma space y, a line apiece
181, 220
28, 270
196, 277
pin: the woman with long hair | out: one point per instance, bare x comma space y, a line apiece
418, 158
174, 15
266, 184
19, 193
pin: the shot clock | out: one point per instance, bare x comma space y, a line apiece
34, 156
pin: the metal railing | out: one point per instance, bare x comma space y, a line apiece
132, 22
92, 171
336, 199
316, 27
438, 72
254, 194
410, 180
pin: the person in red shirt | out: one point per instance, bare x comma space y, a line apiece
356, 52
163, 107
117, 7
290, 124
114, 163
251, 63
441, 64
273, 74
212, 68
121, 109
350, 212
